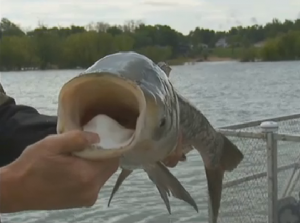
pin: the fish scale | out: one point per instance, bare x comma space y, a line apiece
196, 129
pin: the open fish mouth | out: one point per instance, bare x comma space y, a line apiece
106, 104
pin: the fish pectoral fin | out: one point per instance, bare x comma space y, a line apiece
215, 182
164, 194
167, 183
123, 175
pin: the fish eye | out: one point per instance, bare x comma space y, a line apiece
162, 122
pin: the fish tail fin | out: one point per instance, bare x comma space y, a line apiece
231, 155
230, 158
123, 175
215, 182
167, 183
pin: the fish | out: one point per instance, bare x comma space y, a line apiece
129, 101
218, 153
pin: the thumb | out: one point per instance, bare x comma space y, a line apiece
72, 141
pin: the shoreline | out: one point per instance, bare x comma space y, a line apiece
182, 61
173, 62
217, 59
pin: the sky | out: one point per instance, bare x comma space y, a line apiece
182, 15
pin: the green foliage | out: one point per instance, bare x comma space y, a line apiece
156, 53
77, 46
284, 47
18, 52
230, 52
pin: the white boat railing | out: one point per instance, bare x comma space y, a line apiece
266, 185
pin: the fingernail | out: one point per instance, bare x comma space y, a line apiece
91, 137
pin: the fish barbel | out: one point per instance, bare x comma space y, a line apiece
218, 153
129, 101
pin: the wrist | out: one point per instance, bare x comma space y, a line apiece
12, 191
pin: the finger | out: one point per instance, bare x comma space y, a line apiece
70, 141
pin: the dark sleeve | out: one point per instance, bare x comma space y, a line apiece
21, 126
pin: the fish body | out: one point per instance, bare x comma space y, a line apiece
218, 153
127, 94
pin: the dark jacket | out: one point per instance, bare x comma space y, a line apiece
20, 126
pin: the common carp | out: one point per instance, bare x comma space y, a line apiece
129, 101
218, 153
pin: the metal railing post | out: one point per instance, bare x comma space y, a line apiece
270, 129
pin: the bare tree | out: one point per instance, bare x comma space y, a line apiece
101, 26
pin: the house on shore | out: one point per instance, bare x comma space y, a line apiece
259, 44
222, 42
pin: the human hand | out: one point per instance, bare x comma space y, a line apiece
51, 178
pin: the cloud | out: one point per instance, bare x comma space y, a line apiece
182, 15
173, 3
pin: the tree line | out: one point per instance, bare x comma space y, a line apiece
80, 46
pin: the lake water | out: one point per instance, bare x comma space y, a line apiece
226, 92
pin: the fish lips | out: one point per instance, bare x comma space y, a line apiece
84, 97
